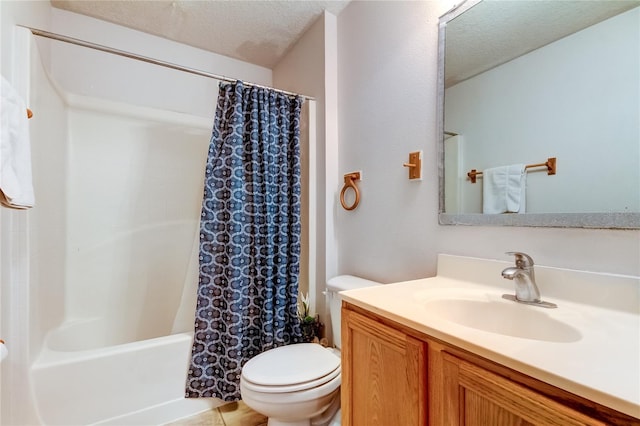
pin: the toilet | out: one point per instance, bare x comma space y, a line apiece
299, 385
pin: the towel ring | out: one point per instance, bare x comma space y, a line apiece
349, 182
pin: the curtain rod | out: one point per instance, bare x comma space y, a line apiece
118, 52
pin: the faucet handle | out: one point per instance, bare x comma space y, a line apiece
523, 260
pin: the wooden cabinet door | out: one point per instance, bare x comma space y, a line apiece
477, 397
383, 374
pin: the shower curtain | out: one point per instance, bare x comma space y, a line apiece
249, 238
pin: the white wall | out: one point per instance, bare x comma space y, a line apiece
387, 107
92, 73
575, 99
387, 92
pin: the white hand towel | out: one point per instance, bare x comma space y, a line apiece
16, 188
503, 189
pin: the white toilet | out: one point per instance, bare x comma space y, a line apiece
299, 385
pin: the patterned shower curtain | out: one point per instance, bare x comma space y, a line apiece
249, 238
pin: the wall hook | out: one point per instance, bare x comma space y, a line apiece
350, 182
414, 165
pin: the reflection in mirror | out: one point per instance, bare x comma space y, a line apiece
526, 81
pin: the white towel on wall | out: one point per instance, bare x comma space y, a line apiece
503, 189
16, 187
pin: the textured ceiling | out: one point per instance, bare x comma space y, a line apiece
258, 32
262, 31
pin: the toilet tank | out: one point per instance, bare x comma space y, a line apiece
338, 284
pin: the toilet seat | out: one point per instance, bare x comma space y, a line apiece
296, 387
291, 368
326, 391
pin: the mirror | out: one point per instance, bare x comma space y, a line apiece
523, 82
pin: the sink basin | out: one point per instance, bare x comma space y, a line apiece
503, 317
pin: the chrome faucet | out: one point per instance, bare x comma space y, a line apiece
524, 278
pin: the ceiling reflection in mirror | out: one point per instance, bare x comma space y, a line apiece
523, 82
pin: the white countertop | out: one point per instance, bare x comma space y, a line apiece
599, 361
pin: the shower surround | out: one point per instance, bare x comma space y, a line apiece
132, 203
104, 330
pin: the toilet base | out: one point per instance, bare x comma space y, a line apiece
330, 416
333, 420
274, 422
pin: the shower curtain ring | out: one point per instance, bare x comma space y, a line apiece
349, 182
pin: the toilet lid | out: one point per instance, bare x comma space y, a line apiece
290, 365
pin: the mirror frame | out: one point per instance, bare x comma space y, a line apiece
614, 220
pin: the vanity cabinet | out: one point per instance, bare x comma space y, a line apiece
472, 395
394, 375
383, 374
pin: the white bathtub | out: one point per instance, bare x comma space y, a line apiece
138, 383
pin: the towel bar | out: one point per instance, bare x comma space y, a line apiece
550, 164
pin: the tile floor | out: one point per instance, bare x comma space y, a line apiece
231, 414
